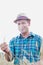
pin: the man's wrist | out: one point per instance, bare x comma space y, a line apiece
8, 56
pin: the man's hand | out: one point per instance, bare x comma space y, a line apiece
4, 47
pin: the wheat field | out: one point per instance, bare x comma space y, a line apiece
4, 62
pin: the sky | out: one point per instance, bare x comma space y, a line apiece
9, 9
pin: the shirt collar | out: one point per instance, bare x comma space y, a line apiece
31, 35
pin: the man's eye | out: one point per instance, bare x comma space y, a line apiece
23, 23
18, 23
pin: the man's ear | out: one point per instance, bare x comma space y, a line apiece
29, 23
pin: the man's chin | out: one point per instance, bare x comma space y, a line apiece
23, 32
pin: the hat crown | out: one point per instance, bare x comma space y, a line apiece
22, 17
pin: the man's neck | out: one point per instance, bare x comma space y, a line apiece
25, 35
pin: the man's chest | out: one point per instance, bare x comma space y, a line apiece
30, 45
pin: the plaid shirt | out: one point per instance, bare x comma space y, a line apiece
25, 47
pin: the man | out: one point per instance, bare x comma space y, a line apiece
25, 48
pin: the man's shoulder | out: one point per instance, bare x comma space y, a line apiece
15, 38
36, 36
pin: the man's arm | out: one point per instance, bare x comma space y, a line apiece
41, 50
8, 56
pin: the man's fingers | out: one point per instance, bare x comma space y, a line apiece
3, 45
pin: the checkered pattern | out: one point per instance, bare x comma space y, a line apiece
26, 47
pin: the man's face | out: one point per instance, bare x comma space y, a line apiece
23, 25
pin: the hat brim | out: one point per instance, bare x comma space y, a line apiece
15, 21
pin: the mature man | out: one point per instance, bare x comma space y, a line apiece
25, 48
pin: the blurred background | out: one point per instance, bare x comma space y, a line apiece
9, 9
